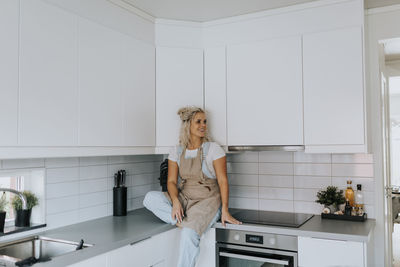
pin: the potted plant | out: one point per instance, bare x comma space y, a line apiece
3, 204
23, 217
331, 198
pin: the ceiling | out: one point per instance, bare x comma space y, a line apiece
206, 10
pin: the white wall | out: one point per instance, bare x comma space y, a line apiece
381, 24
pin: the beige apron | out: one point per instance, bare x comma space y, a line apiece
198, 194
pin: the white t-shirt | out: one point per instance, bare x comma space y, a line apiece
215, 151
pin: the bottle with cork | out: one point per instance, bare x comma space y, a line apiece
349, 193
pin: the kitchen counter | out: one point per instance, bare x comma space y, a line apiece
111, 232
316, 227
107, 233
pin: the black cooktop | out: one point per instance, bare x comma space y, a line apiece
287, 219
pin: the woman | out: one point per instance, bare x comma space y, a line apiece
194, 205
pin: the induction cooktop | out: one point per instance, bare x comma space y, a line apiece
287, 219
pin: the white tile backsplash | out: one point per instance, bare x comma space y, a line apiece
243, 191
61, 162
62, 189
243, 157
301, 157
243, 203
276, 168
312, 169
289, 181
93, 172
80, 189
275, 193
242, 168
275, 156
243, 179
276, 180
352, 158
360, 170
59, 175
22, 163
312, 181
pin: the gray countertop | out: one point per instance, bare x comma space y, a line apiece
107, 233
316, 227
111, 232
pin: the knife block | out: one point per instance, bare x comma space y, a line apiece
119, 201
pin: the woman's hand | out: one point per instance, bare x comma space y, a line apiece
177, 211
227, 217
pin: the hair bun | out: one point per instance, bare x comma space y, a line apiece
187, 113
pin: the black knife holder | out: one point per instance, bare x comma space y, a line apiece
120, 201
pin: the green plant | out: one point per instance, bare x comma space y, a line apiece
3, 202
31, 201
330, 196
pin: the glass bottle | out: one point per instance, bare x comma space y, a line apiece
349, 193
347, 208
359, 199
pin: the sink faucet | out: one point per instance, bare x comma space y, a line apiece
21, 196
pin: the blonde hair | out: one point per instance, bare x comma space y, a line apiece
187, 114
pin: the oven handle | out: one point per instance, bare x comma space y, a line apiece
246, 257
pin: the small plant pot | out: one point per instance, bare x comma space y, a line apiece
2, 220
23, 218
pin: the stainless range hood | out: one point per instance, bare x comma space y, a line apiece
266, 148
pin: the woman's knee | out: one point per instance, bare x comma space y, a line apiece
149, 199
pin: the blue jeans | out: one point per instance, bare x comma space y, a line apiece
158, 203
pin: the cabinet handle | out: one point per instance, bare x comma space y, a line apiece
252, 258
133, 243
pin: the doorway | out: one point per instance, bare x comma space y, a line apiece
391, 102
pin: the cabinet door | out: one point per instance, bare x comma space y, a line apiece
264, 93
139, 93
179, 83
215, 92
9, 14
315, 252
98, 261
138, 255
48, 98
101, 79
333, 88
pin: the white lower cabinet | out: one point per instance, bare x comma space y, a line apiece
98, 261
315, 252
158, 251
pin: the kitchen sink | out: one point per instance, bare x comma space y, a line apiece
36, 249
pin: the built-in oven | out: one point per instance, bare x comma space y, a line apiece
250, 249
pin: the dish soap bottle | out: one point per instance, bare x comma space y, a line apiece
349, 193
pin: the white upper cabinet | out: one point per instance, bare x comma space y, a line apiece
264, 93
179, 82
334, 90
101, 79
9, 21
215, 92
48, 106
139, 93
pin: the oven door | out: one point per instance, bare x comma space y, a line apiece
239, 256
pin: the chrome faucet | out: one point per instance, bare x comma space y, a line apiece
21, 196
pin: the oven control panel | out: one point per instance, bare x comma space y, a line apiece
257, 239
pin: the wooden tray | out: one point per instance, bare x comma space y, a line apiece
344, 217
